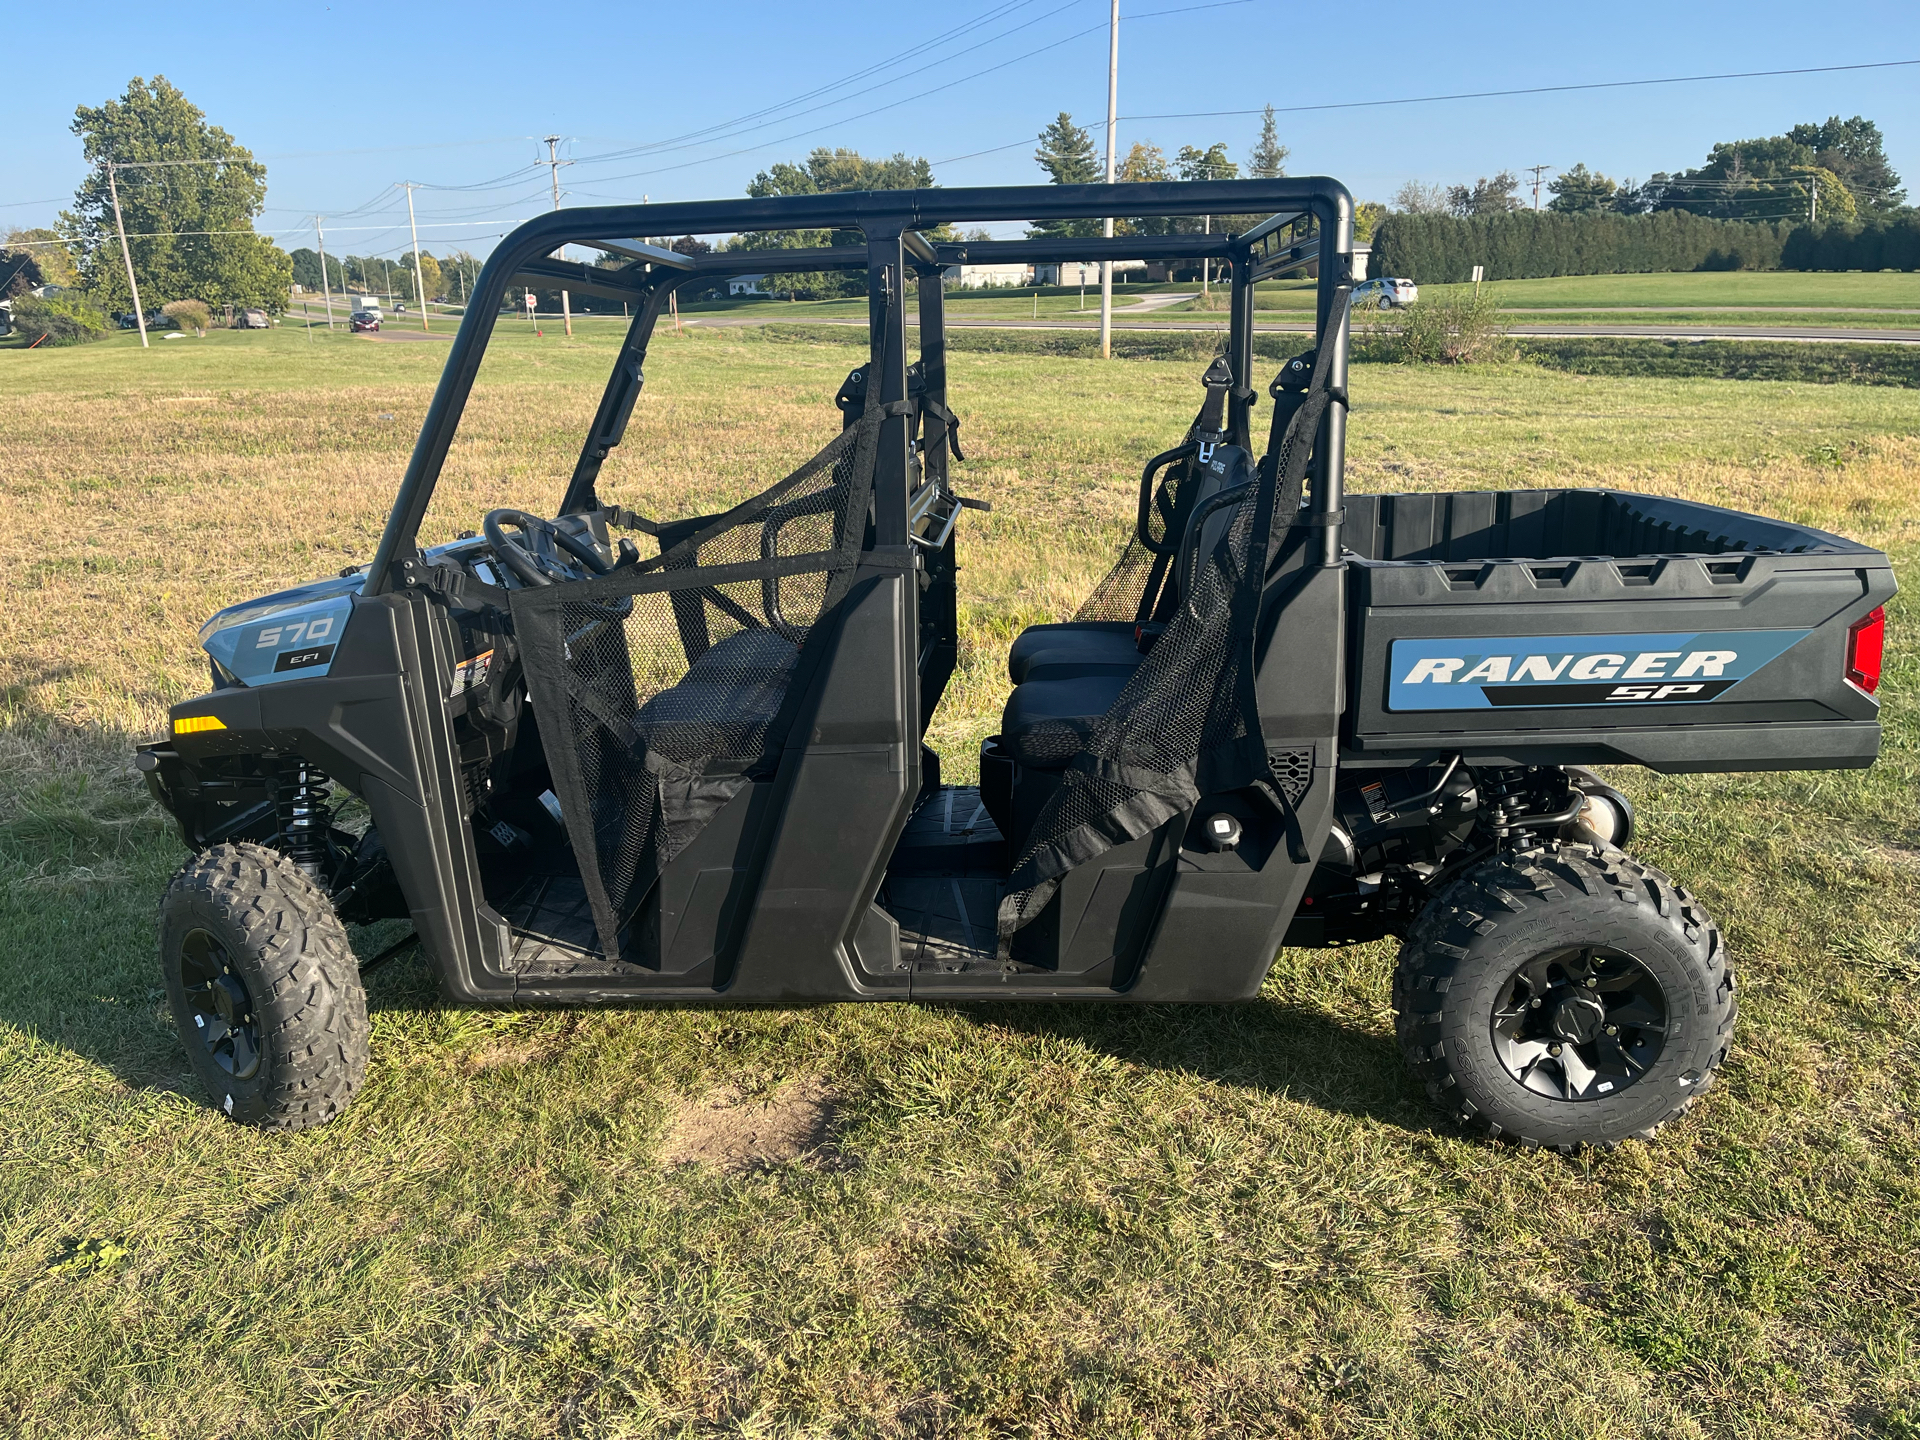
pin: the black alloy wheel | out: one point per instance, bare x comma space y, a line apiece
222, 1011
264, 987
1579, 1023
1564, 995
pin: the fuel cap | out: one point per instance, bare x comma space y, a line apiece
1223, 832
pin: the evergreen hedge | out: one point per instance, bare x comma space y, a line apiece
1530, 244
1876, 245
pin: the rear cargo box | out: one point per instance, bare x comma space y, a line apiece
1604, 627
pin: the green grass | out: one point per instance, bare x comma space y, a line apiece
1693, 288
1044, 1221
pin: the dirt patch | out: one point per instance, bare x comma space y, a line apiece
737, 1134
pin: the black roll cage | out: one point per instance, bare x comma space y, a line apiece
1311, 221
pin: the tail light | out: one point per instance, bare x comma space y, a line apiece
1866, 640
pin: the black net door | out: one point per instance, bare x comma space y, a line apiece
665, 688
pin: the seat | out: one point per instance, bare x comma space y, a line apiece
1046, 722
1067, 676
1077, 648
1064, 652
724, 703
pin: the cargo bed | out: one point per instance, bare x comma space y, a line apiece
1603, 627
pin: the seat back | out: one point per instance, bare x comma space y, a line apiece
1226, 467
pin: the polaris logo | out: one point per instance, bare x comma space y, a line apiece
1561, 670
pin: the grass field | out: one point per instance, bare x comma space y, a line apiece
1030, 1222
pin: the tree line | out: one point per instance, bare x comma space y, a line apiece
1822, 196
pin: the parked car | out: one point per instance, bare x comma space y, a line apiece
363, 320
1386, 293
251, 320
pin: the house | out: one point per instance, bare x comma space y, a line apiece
1087, 272
988, 277
746, 285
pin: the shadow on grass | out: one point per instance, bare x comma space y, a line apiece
1283, 1048
85, 857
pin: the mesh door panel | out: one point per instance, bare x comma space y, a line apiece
1131, 590
665, 688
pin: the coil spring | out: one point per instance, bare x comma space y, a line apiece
1504, 793
304, 815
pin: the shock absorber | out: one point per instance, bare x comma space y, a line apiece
1520, 800
305, 817
1504, 793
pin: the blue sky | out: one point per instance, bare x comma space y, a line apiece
342, 101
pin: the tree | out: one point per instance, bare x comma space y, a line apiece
1066, 154
1854, 151
1581, 189
306, 271
827, 172
1208, 164
1269, 158
26, 279
1633, 198
1144, 164
1837, 203
1485, 197
1416, 197
429, 275
1757, 179
189, 226
458, 270
54, 263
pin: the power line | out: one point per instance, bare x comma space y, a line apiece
712, 131
911, 99
1530, 90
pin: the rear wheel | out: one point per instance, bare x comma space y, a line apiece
1563, 996
264, 988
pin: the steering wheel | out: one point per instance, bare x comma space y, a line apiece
530, 565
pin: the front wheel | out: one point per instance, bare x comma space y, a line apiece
1564, 996
264, 988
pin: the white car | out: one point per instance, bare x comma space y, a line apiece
1387, 293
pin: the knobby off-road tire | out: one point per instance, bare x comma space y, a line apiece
1524, 950
264, 987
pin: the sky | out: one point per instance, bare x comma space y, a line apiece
344, 101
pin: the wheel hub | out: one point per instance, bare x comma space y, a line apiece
1578, 1017
1580, 1023
219, 1006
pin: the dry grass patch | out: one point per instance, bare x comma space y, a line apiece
736, 1133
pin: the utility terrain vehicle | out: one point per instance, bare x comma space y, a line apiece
1288, 716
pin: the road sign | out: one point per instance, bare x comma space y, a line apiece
530, 302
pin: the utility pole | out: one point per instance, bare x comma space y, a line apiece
554, 162
419, 285
1206, 265
1813, 200
139, 315
326, 286
1113, 118
1538, 171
